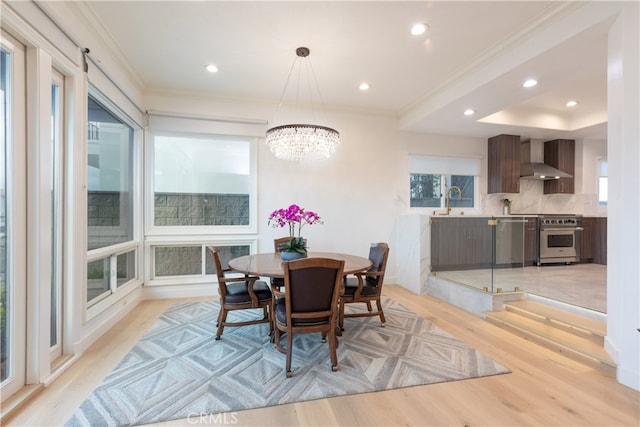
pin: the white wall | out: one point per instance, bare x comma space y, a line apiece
623, 227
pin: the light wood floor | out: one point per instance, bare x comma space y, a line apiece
544, 388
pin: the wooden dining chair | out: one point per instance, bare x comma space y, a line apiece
241, 293
308, 304
279, 243
366, 287
278, 246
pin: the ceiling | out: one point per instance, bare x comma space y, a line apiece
475, 55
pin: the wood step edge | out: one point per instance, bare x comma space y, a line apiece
557, 315
607, 367
587, 333
559, 337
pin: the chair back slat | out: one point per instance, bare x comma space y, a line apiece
378, 255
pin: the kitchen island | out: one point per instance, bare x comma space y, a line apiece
448, 257
433, 244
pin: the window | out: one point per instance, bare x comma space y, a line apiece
201, 181
203, 188
428, 190
432, 177
57, 188
5, 290
13, 214
603, 182
111, 261
110, 178
186, 260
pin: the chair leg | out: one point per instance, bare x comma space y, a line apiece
289, 352
369, 306
219, 315
333, 345
341, 316
221, 321
276, 340
381, 313
271, 327
324, 336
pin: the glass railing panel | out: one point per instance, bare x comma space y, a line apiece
487, 253
508, 246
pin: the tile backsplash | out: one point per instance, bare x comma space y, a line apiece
531, 200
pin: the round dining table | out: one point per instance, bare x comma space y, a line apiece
270, 264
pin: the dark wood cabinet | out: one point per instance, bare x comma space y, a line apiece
531, 236
460, 243
600, 239
504, 164
593, 240
561, 154
586, 239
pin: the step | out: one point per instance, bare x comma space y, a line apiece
571, 322
572, 345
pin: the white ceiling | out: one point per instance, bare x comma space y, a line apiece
475, 55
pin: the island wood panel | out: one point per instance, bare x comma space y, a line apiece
561, 154
531, 236
461, 243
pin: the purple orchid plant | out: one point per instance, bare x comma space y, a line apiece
295, 217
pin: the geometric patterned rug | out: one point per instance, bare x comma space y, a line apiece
178, 370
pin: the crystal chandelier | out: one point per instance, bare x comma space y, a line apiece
301, 141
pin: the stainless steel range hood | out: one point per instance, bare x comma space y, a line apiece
536, 170
541, 171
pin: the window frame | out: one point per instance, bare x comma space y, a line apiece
97, 305
186, 281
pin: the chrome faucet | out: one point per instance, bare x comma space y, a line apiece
448, 199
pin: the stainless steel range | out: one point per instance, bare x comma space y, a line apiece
558, 241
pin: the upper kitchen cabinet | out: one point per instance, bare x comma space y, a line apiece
504, 164
561, 154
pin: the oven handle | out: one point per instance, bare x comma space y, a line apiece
562, 229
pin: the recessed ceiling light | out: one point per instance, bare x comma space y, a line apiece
571, 103
211, 68
530, 83
418, 29
364, 86
469, 112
